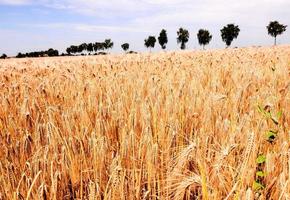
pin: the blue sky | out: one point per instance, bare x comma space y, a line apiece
29, 25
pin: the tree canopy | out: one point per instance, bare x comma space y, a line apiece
275, 28
182, 37
162, 39
150, 42
125, 46
90, 47
3, 56
108, 44
229, 33
49, 53
204, 37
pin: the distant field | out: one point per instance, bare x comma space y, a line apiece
178, 125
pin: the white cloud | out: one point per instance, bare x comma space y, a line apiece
15, 2
87, 27
150, 15
133, 20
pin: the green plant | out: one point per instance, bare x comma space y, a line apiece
260, 174
271, 135
261, 159
257, 186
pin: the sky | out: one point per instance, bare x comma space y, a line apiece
32, 25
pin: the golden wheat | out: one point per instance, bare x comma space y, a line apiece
147, 126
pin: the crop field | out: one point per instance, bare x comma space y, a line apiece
178, 125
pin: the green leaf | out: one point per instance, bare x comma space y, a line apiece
257, 186
260, 174
260, 109
268, 115
265, 113
271, 135
279, 115
261, 159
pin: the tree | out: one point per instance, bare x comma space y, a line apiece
229, 33
108, 44
20, 55
162, 39
90, 47
51, 52
125, 46
204, 37
150, 42
4, 56
182, 37
74, 49
68, 50
275, 29
98, 46
81, 48
84, 47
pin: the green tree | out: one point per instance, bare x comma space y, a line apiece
108, 44
90, 47
84, 46
69, 51
150, 42
125, 46
204, 37
50, 52
74, 49
229, 33
98, 46
20, 55
275, 29
162, 39
4, 56
182, 37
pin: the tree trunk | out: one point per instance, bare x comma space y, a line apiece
275, 40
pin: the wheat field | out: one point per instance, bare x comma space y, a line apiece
178, 125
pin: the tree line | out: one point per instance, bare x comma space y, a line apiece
48, 53
90, 47
228, 34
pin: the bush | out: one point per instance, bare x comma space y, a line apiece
102, 53
4, 56
132, 52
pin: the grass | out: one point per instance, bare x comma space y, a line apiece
176, 125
